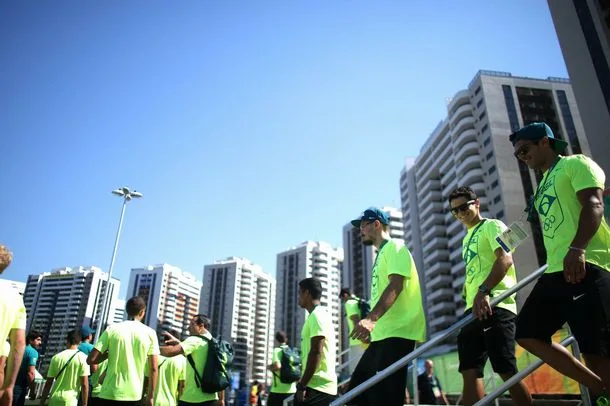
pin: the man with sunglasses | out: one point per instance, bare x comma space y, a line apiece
396, 320
576, 285
489, 272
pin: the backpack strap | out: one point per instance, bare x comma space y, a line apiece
66, 365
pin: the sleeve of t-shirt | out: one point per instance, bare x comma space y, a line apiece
102, 342
317, 326
53, 368
154, 344
31, 358
399, 260
180, 365
19, 322
191, 344
277, 353
84, 369
492, 230
584, 173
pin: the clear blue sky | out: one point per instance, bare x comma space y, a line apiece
249, 126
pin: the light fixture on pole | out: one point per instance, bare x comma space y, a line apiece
127, 196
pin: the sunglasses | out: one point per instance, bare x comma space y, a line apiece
524, 149
462, 207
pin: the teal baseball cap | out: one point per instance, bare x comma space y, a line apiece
372, 214
537, 131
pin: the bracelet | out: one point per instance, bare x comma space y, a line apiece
581, 250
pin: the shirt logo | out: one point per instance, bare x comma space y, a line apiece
549, 209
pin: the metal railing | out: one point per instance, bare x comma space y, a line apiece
404, 361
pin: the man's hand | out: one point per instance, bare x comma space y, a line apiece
481, 308
574, 266
6, 397
170, 339
362, 331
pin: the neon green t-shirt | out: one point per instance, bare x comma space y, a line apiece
129, 345
12, 313
95, 378
277, 386
479, 258
351, 308
67, 386
198, 348
405, 319
559, 211
171, 371
319, 324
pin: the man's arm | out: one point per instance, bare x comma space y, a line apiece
46, 390
2, 366
95, 357
362, 330
481, 307
31, 374
15, 356
313, 359
152, 383
84, 389
591, 216
171, 350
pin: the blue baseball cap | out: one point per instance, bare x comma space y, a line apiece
372, 214
537, 131
85, 331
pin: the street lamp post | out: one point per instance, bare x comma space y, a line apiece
127, 196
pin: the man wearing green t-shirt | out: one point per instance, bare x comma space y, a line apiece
128, 346
489, 272
279, 390
396, 320
70, 372
318, 383
196, 347
576, 285
12, 327
352, 315
170, 382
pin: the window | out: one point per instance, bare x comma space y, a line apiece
485, 127
494, 184
489, 155
479, 103
497, 199
476, 92
492, 170
500, 215
482, 115
487, 141
568, 121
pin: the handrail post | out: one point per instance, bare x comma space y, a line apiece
585, 396
415, 383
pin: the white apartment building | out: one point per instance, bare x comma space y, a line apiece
239, 298
359, 259
172, 296
119, 311
7, 284
64, 300
309, 259
470, 147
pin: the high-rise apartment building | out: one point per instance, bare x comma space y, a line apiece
358, 261
7, 284
119, 311
64, 300
172, 296
309, 259
583, 29
239, 298
471, 147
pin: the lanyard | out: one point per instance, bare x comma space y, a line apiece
471, 237
531, 206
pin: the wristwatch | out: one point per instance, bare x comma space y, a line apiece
484, 289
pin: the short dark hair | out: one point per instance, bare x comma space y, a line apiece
202, 319
345, 291
73, 337
281, 337
313, 286
463, 191
34, 334
135, 305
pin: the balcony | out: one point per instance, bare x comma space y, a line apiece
440, 281
456, 237
432, 207
472, 162
466, 123
436, 243
465, 137
431, 220
437, 256
442, 322
434, 231
465, 110
437, 268
470, 148
479, 189
458, 283
461, 97
440, 294
442, 307
473, 176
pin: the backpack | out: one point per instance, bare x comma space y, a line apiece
290, 365
365, 308
216, 376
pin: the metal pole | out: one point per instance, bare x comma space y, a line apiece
103, 315
430, 344
517, 378
585, 396
415, 373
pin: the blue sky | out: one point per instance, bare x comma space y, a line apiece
249, 126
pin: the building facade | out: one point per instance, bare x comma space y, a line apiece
239, 298
470, 147
63, 300
172, 296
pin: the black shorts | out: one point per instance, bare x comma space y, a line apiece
492, 338
584, 306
